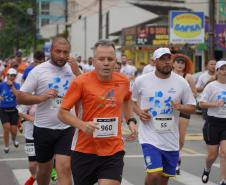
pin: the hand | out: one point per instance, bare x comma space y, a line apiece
144, 116
72, 62
89, 127
51, 93
9, 82
220, 103
1, 98
176, 105
134, 132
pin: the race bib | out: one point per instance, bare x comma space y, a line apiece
222, 110
29, 149
56, 102
108, 127
163, 124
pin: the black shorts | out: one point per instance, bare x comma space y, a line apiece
49, 142
9, 115
88, 168
184, 116
31, 158
214, 130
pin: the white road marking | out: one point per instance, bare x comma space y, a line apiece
190, 179
22, 175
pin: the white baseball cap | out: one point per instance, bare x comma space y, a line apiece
161, 51
219, 64
11, 71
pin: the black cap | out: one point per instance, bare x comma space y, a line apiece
14, 64
19, 54
180, 58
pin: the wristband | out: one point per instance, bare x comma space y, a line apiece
10, 85
131, 119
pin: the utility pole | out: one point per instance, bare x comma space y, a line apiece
100, 19
211, 28
34, 27
17, 27
85, 36
66, 18
107, 25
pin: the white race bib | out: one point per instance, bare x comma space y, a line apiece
29, 149
56, 102
222, 110
163, 124
108, 127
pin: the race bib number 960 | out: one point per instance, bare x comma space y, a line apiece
108, 127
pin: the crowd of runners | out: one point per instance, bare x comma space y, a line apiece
73, 111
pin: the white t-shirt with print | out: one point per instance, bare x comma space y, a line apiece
156, 95
133, 69
42, 78
127, 70
203, 79
214, 92
148, 68
88, 67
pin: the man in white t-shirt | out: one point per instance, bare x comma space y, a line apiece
126, 68
49, 81
80, 63
150, 67
133, 68
203, 79
89, 66
161, 93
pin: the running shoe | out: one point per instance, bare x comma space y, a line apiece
16, 142
6, 150
30, 181
205, 176
54, 175
20, 129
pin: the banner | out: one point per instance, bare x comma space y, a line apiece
186, 27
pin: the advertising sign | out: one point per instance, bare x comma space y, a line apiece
152, 35
186, 27
128, 36
219, 36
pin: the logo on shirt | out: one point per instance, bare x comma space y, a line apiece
172, 90
161, 103
110, 96
222, 96
67, 74
116, 85
59, 85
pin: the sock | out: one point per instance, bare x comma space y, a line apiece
30, 181
207, 170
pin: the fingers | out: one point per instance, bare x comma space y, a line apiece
52, 93
90, 127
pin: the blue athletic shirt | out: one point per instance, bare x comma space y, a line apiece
9, 99
27, 71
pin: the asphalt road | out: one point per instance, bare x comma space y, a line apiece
14, 165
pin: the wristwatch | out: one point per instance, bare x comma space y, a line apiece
10, 85
131, 119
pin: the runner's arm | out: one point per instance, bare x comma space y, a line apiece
127, 107
74, 66
68, 118
185, 109
27, 117
211, 104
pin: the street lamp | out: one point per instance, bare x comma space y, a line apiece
28, 14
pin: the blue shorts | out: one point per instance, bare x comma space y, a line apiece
159, 160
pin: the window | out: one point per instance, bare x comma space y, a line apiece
45, 8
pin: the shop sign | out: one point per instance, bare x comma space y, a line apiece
186, 27
128, 36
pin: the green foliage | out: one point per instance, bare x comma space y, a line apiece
11, 15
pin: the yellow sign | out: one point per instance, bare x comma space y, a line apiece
187, 25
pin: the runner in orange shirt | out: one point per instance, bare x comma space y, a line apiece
19, 60
98, 147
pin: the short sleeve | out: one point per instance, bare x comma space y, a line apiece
206, 94
199, 82
136, 91
188, 97
30, 83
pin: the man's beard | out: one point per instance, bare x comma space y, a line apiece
162, 70
55, 62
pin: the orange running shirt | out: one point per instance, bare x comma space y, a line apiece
21, 67
97, 99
